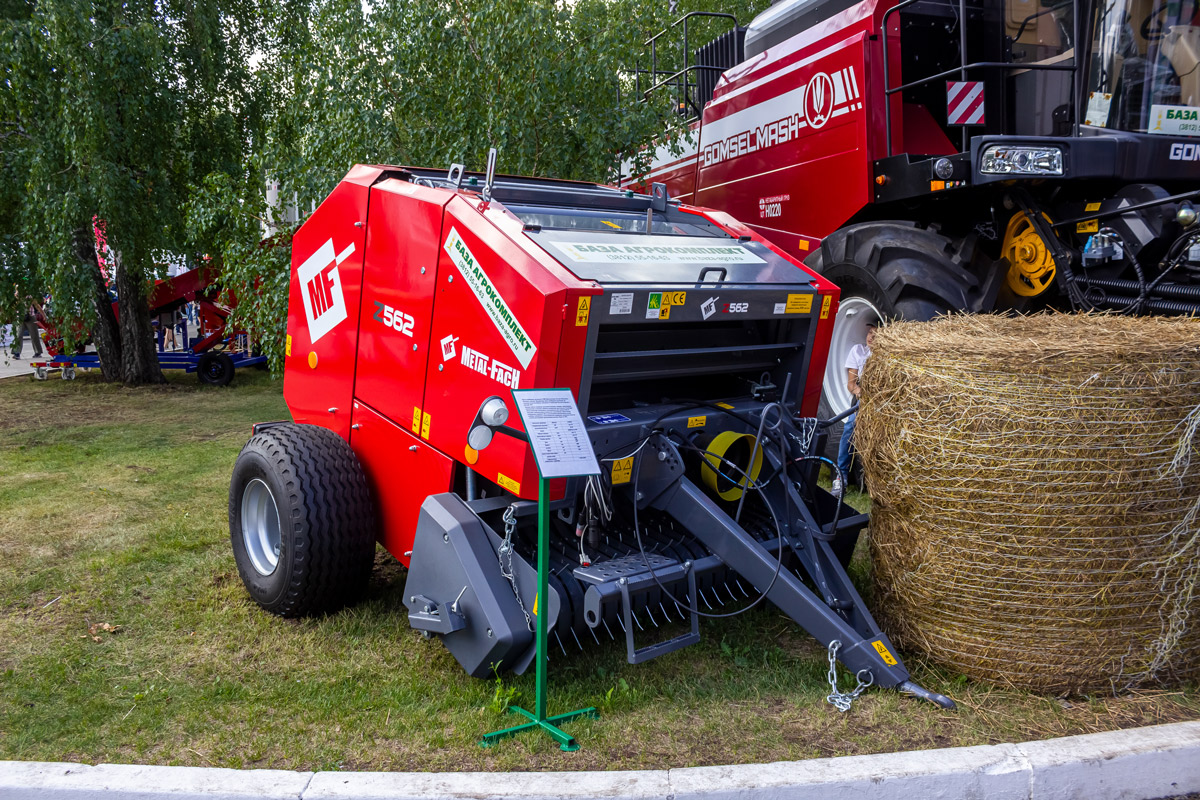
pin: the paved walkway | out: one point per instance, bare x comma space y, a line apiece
1139, 764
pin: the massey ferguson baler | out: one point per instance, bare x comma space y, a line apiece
694, 349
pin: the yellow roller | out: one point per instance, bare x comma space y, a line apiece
735, 447
1031, 267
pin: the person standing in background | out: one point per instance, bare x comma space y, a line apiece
28, 322
854, 366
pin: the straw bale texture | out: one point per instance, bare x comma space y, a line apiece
1036, 487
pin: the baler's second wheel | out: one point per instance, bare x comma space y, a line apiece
301, 520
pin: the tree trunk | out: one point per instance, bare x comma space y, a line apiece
139, 350
105, 334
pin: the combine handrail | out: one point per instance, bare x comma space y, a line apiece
963, 68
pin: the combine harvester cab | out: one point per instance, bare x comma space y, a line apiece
694, 349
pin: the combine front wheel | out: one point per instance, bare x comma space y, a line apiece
301, 520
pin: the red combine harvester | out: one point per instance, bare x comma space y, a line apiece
694, 348
938, 155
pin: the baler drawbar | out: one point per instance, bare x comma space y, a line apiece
694, 349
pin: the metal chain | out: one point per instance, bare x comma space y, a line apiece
506, 554
842, 700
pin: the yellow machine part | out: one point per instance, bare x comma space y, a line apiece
735, 447
1031, 267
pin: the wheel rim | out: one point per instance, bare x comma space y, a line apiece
849, 329
260, 527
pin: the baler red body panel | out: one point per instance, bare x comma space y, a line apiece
410, 305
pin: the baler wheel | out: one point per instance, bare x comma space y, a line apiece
301, 520
215, 369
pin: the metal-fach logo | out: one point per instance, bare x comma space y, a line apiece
321, 289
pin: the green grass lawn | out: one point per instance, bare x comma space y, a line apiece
113, 513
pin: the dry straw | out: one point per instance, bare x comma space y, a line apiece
1036, 485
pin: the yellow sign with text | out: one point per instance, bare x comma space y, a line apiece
798, 304
508, 483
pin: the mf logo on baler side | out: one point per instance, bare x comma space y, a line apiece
321, 289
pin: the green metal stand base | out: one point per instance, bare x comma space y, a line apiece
565, 741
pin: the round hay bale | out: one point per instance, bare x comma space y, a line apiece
1036, 487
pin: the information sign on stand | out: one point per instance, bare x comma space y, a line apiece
561, 449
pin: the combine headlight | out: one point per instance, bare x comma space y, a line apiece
1002, 159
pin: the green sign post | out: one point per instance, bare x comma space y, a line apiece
561, 449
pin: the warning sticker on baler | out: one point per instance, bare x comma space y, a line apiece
508, 483
489, 297
622, 471
884, 653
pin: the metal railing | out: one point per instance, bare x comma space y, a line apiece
682, 78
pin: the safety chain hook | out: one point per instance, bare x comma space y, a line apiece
843, 700
506, 560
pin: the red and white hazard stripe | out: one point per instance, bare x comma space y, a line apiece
964, 102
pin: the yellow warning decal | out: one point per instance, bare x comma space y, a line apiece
622, 471
697, 422
535, 599
1091, 226
425, 420
724, 405
508, 483
612, 225
288, 352
826, 301
664, 312
416, 426
1092, 207
798, 304
887, 657
674, 298
584, 311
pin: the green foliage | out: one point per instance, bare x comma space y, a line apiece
503, 695
429, 83
109, 111
167, 119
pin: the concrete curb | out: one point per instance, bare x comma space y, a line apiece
1138, 764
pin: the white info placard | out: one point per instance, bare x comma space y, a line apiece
560, 442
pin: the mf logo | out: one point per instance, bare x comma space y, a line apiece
321, 288
818, 100
448, 347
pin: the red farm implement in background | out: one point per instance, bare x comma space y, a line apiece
213, 356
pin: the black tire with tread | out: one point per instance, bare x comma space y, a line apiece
326, 514
215, 369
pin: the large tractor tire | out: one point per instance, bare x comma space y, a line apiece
301, 520
886, 271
